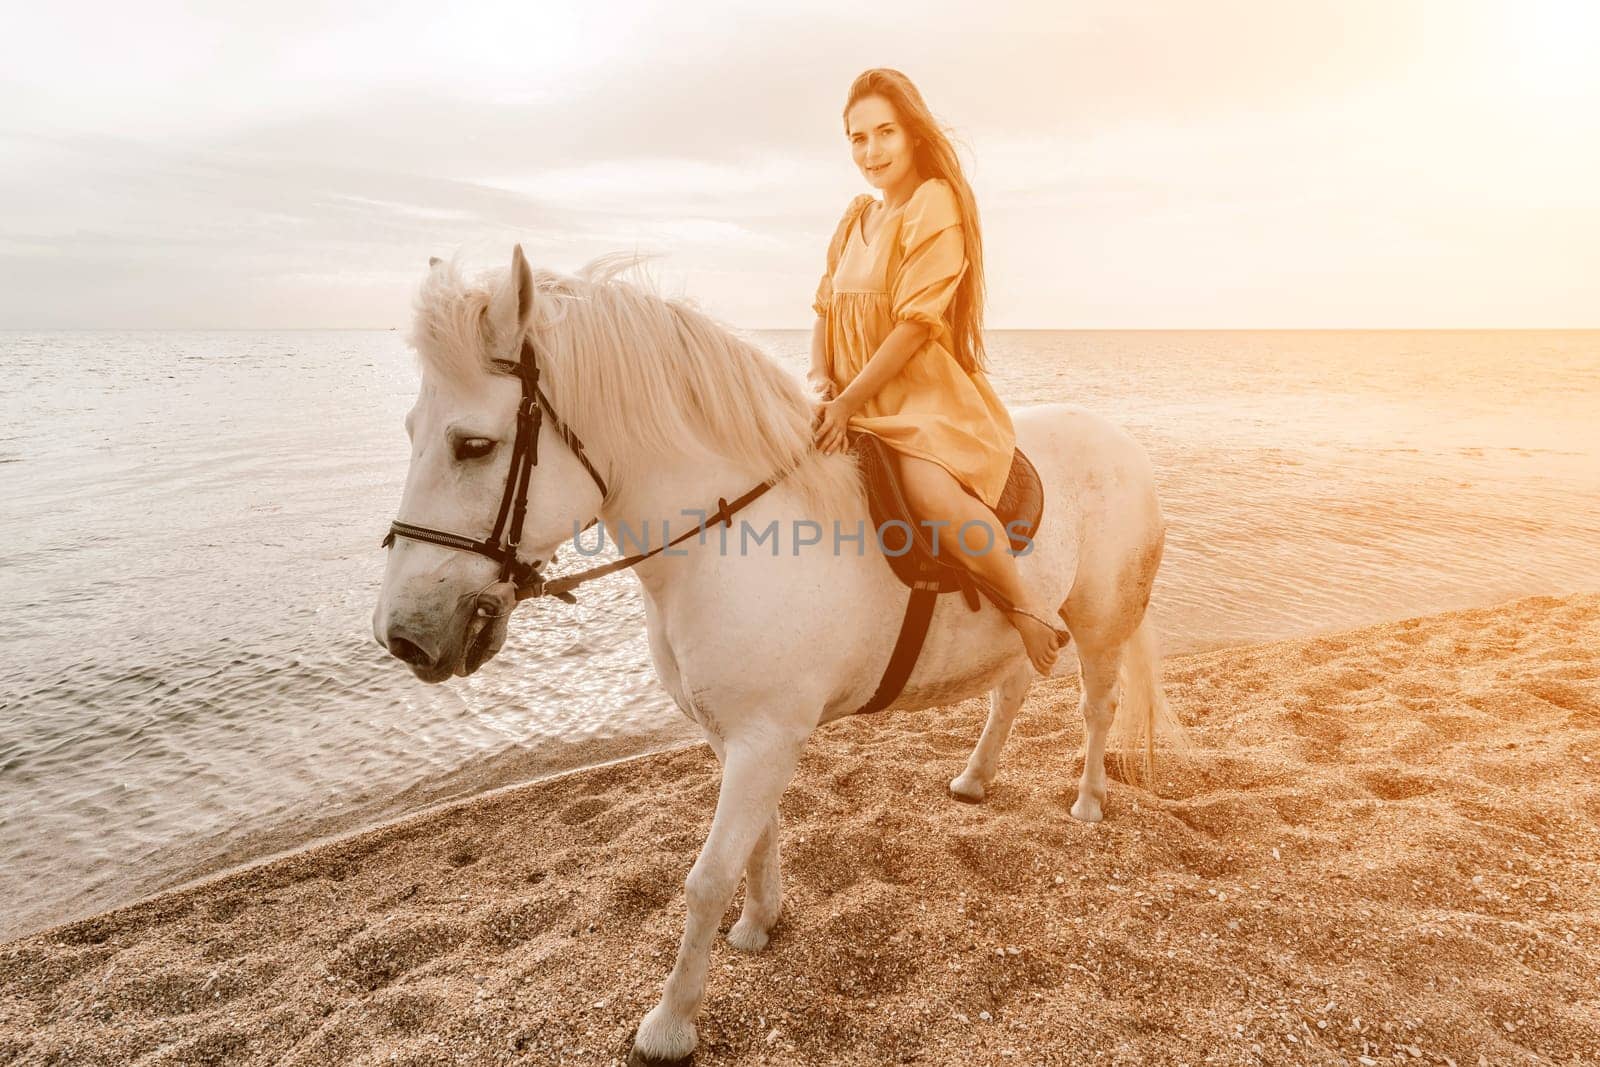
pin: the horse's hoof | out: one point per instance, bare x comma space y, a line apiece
673, 1039
747, 936
1086, 810
966, 790
639, 1059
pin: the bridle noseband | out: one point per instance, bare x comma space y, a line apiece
501, 544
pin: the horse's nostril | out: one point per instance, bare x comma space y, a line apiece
409, 652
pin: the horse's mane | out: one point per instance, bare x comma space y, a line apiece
638, 376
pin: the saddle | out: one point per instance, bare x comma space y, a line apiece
910, 551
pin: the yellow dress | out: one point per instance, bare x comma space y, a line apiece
933, 408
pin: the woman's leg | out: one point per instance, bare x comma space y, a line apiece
934, 494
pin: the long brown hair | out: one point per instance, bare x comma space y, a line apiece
934, 157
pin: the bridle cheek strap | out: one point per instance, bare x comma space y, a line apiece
501, 544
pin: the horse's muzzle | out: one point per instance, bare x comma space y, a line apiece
416, 652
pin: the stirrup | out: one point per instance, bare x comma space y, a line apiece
1063, 635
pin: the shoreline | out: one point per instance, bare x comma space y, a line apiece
201, 879
187, 864
194, 863
1325, 878
191, 863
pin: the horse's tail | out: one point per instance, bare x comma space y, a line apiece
1143, 714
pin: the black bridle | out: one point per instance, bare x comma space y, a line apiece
501, 544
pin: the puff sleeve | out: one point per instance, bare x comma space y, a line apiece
933, 257
841, 232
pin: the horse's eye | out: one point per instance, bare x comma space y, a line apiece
473, 447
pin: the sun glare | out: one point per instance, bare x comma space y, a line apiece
1558, 41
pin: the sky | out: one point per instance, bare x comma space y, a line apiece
1166, 165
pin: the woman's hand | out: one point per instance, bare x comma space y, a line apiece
828, 424
820, 384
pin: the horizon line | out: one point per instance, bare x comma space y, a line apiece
804, 329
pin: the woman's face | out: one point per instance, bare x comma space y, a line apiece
878, 143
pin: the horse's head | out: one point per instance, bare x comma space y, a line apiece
443, 609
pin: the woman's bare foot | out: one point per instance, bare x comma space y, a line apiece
1038, 637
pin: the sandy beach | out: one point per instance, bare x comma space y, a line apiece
1384, 849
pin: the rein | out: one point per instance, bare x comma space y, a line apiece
538, 585
501, 544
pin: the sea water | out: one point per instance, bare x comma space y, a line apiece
190, 561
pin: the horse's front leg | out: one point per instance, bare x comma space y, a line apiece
763, 892
755, 773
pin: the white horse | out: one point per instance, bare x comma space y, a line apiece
761, 645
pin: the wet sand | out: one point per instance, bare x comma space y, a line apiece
1383, 849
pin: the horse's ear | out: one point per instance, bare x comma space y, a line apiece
511, 306
522, 280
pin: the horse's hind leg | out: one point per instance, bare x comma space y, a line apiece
1004, 700
1098, 669
1106, 610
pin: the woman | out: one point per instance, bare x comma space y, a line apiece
897, 349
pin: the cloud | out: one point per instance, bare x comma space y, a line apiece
1153, 163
